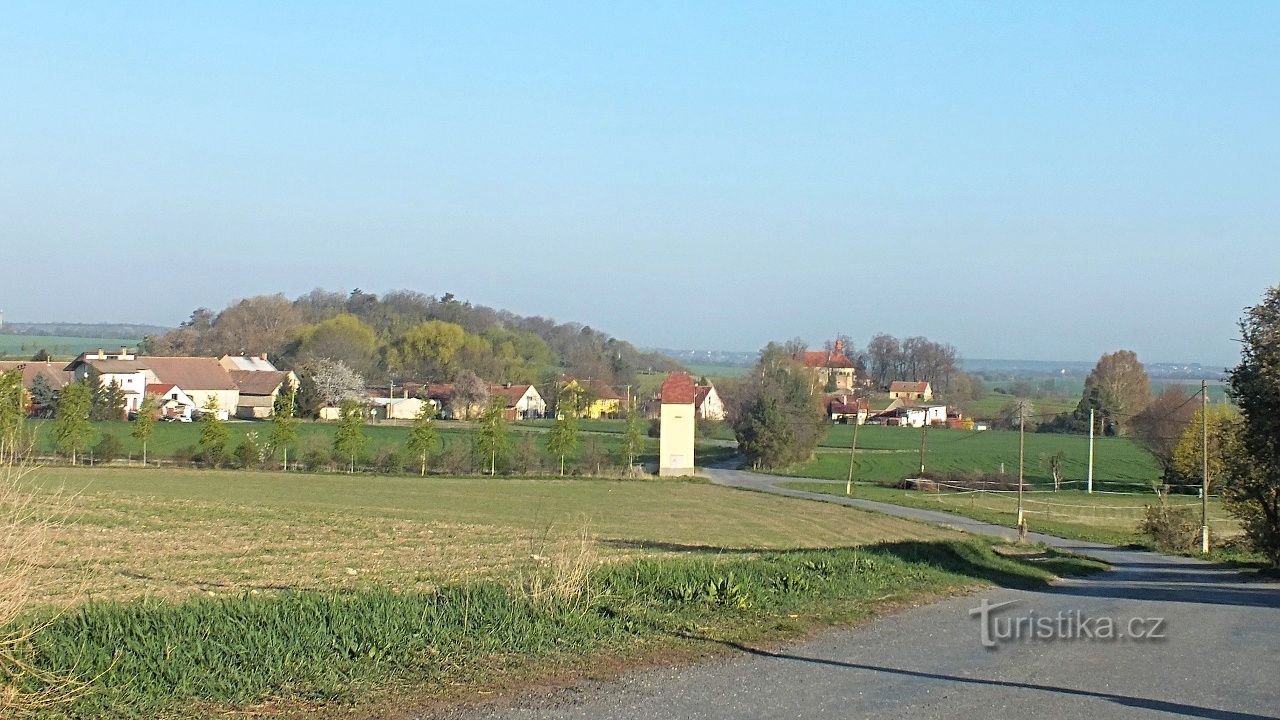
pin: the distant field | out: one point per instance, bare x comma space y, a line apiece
718, 371
890, 453
24, 346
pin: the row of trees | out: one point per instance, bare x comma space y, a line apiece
407, 335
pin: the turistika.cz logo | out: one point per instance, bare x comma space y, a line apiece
1065, 625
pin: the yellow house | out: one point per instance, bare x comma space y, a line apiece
596, 399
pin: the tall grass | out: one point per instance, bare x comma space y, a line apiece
154, 658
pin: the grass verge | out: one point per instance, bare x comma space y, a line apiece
314, 650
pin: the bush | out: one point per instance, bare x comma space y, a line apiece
108, 449
247, 453
1173, 529
388, 459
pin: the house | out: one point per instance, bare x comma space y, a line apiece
403, 408
707, 403
675, 444
831, 368
258, 391
910, 390
202, 378
907, 415
523, 402
600, 400
846, 409
123, 368
55, 375
248, 363
171, 402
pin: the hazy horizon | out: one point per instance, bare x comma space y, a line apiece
1022, 181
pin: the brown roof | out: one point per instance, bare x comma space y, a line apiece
56, 375
191, 373
511, 393
702, 392
908, 386
110, 366
848, 406
258, 382
823, 359
439, 391
678, 389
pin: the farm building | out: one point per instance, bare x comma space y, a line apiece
910, 390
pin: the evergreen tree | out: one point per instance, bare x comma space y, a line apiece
422, 436
72, 431
349, 442
214, 436
284, 422
44, 399
145, 424
107, 402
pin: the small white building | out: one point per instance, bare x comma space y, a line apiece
523, 402
121, 368
707, 403
397, 408
679, 417
172, 402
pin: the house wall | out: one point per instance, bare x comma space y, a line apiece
228, 400
675, 446
712, 408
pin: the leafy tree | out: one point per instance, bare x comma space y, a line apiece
72, 431
284, 422
349, 442
469, 394
1187, 457
144, 424
780, 421
633, 435
422, 436
563, 438
12, 413
44, 399
247, 453
427, 350
492, 438
42, 355
1252, 473
343, 338
214, 436
1117, 389
108, 449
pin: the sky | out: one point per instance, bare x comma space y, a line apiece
1023, 180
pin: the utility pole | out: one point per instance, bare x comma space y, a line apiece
1204, 468
1022, 431
1090, 484
853, 453
924, 433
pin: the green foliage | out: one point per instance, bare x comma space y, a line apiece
491, 441
72, 431
13, 411
349, 442
248, 454
342, 338
144, 424
781, 421
214, 436
1252, 487
633, 435
423, 437
1172, 529
44, 399
108, 449
562, 441
108, 399
284, 423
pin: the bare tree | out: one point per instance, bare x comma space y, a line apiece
1118, 388
470, 394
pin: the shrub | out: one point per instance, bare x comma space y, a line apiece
247, 453
108, 449
1172, 529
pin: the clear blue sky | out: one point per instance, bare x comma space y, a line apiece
1025, 180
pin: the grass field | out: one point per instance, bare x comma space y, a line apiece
24, 346
1109, 518
166, 533
199, 594
891, 453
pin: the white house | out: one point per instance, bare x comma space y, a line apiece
121, 368
397, 408
523, 402
935, 414
707, 403
675, 444
171, 401
203, 378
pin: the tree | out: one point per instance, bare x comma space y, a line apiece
427, 350
1055, 463
248, 453
214, 436
1163, 421
633, 435
422, 436
107, 401
12, 414
1117, 389
144, 424
343, 338
1187, 457
72, 432
563, 438
349, 442
258, 325
469, 393
284, 423
780, 419
334, 382
44, 399
1252, 474
492, 438
1018, 413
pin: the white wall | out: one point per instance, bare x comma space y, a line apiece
676, 443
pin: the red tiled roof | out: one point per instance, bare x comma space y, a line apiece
160, 389
511, 394
908, 386
678, 389
701, 395
823, 359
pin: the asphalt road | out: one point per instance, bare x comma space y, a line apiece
1219, 656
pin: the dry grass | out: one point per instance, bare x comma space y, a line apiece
172, 534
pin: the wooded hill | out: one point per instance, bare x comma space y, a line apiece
407, 335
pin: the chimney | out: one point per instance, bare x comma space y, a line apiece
101, 355
263, 357
123, 351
